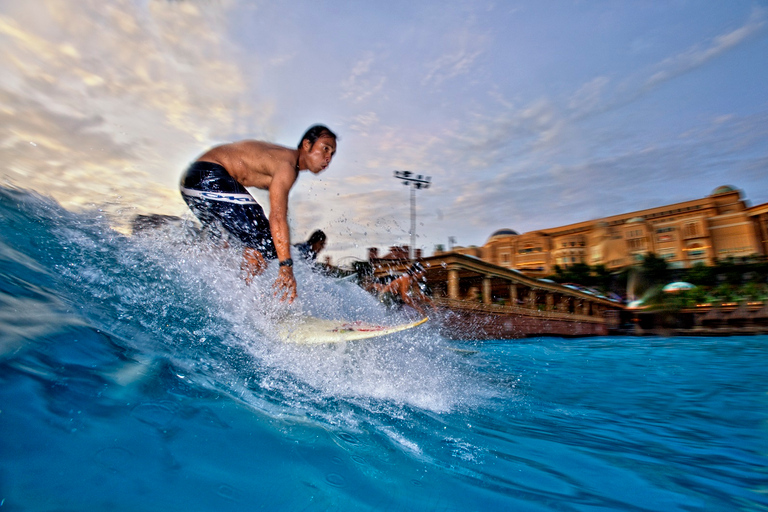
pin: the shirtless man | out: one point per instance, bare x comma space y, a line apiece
403, 288
214, 189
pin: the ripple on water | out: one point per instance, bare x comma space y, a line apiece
229, 493
335, 480
348, 438
303, 433
157, 414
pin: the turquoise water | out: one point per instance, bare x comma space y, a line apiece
142, 374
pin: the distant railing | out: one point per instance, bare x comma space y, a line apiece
479, 307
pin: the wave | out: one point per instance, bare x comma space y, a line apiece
175, 305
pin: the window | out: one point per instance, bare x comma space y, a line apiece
690, 230
667, 254
665, 238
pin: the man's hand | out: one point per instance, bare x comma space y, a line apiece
253, 264
285, 284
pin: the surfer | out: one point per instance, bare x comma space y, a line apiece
314, 244
402, 289
214, 189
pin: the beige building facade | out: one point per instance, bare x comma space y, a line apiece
715, 227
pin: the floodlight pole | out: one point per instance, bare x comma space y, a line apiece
416, 181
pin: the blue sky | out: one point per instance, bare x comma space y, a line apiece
526, 114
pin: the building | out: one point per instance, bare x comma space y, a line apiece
718, 226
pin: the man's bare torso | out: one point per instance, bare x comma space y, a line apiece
253, 163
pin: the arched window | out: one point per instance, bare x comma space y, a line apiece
697, 250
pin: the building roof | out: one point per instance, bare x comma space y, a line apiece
504, 232
725, 189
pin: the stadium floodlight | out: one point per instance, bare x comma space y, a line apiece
416, 182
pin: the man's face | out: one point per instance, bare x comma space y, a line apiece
318, 246
320, 154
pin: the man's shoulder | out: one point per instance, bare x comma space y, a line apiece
254, 144
265, 157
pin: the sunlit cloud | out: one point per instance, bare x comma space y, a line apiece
122, 91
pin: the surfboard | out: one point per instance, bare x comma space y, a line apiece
309, 330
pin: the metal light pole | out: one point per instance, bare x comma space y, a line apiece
416, 181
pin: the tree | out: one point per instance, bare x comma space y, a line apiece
602, 276
700, 274
729, 271
581, 273
655, 269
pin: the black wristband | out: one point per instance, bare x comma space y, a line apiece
286, 263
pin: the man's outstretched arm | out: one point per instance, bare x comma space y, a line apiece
278, 223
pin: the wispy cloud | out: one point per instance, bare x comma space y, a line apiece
700, 54
363, 123
449, 66
514, 129
363, 82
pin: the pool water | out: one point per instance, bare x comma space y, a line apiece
143, 374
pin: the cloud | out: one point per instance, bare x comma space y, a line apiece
540, 194
700, 54
353, 221
597, 97
540, 128
589, 97
364, 122
362, 83
116, 97
449, 66
490, 140
462, 49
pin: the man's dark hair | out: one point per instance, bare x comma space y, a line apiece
315, 132
317, 236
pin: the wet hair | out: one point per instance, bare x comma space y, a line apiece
315, 132
317, 236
